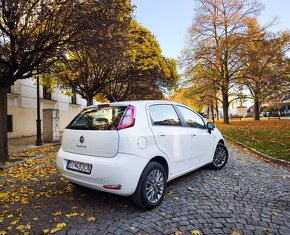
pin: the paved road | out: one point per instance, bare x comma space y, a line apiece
247, 196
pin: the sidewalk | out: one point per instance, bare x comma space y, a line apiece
18, 145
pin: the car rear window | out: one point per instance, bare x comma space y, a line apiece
98, 118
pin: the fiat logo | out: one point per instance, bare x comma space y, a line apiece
82, 139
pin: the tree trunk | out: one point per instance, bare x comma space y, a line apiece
208, 112
257, 110
89, 101
217, 109
3, 125
226, 107
212, 112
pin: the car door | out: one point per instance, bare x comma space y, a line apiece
201, 140
171, 137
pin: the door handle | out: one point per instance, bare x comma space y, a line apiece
161, 134
193, 135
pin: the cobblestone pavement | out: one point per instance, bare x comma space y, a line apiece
248, 196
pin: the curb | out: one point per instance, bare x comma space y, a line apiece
262, 155
36, 147
19, 162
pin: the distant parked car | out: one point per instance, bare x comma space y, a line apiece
136, 147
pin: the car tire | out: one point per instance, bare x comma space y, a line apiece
220, 158
151, 186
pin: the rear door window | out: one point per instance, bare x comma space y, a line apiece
191, 118
98, 118
164, 115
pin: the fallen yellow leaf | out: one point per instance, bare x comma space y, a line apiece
14, 222
195, 232
58, 227
45, 231
235, 233
54, 230
24, 201
75, 214
91, 219
61, 225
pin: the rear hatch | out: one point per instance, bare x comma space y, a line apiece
94, 131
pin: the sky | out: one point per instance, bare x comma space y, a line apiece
169, 20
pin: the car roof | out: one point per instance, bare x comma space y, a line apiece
138, 102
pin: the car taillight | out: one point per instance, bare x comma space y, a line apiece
128, 118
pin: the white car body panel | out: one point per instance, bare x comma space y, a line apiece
202, 149
105, 171
94, 142
175, 142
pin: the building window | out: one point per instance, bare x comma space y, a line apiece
9, 123
74, 97
46, 93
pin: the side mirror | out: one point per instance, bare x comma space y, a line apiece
210, 126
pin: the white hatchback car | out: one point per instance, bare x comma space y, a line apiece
135, 147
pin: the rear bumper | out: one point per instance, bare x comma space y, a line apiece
123, 169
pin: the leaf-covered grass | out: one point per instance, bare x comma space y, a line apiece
271, 137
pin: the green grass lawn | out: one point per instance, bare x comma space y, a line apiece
271, 137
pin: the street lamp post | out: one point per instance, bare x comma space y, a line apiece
38, 120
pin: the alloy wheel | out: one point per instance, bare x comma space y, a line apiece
155, 186
220, 157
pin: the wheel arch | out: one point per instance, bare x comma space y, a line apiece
162, 161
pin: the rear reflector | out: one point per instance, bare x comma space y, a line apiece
128, 118
113, 187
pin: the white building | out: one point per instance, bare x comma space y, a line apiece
22, 107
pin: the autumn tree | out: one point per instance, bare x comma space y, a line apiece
266, 65
186, 97
203, 90
89, 65
146, 74
31, 33
214, 42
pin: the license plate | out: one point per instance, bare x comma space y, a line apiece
79, 166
